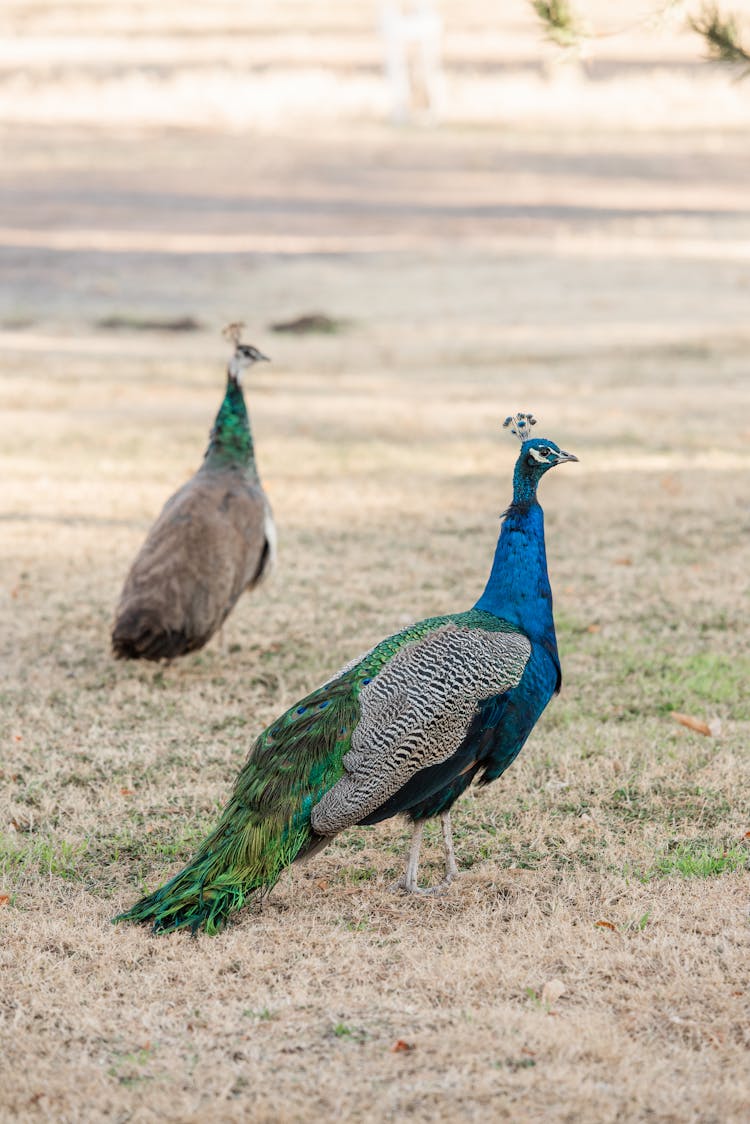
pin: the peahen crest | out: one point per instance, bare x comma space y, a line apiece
520, 425
233, 332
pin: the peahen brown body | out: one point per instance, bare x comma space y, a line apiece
214, 538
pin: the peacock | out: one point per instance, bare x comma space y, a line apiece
404, 728
214, 538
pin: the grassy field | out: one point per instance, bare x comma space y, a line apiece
592, 963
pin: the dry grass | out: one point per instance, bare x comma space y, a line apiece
386, 489
600, 280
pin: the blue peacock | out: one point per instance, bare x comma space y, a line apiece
403, 729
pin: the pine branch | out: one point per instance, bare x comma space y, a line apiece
561, 23
722, 36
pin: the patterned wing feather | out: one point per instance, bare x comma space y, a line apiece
415, 714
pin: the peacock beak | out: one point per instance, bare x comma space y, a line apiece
260, 355
563, 456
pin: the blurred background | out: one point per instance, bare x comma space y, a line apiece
176, 163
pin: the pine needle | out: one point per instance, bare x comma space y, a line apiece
561, 23
722, 36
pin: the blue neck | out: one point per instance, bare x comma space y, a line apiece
518, 588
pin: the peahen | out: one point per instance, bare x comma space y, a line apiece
214, 538
404, 728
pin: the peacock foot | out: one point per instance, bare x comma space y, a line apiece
409, 887
408, 881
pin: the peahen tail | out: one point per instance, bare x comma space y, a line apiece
266, 824
140, 633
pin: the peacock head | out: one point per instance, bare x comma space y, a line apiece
537, 456
244, 353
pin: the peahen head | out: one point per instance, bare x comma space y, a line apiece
244, 356
537, 456
244, 353
231, 444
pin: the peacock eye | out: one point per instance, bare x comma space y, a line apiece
545, 450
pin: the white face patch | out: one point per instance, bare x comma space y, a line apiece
243, 357
538, 457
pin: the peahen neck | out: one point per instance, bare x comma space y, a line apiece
518, 588
231, 444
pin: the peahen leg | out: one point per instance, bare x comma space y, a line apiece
409, 880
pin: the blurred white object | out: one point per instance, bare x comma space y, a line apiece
412, 40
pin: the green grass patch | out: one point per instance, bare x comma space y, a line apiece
357, 874
697, 859
350, 1033
48, 855
675, 806
95, 858
660, 682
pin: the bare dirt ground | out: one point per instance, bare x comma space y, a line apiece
598, 277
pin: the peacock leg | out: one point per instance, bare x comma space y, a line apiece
408, 881
451, 867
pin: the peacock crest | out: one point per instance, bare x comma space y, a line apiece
520, 425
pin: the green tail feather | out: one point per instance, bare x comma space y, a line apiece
266, 824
